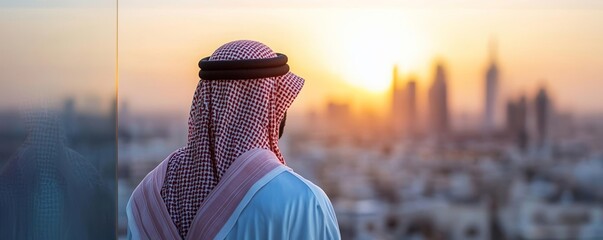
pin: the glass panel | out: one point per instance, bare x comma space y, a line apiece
57, 119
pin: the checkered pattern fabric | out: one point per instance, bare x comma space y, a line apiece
232, 117
44, 138
46, 188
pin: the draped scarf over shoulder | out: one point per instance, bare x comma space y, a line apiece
234, 116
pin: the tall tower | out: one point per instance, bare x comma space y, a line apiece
438, 102
411, 107
543, 109
397, 104
517, 122
491, 90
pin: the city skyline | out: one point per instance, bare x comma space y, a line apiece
325, 46
350, 52
418, 120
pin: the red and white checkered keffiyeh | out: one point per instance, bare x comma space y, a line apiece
245, 114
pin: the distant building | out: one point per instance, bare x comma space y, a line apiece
338, 110
69, 117
403, 105
543, 108
491, 91
438, 102
339, 116
411, 107
516, 124
397, 104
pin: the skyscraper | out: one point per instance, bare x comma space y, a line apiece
517, 122
403, 105
411, 107
491, 91
397, 105
438, 102
543, 107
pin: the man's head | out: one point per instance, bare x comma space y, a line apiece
241, 101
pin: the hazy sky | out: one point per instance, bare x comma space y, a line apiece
430, 4
347, 54
53, 53
345, 49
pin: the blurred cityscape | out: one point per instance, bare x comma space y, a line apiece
84, 126
522, 170
57, 171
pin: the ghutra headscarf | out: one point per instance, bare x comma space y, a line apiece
235, 108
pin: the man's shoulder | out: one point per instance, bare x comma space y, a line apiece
291, 187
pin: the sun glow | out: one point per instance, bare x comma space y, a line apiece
372, 46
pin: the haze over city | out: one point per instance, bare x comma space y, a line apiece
348, 54
419, 120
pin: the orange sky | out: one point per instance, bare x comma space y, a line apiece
344, 53
50, 54
348, 54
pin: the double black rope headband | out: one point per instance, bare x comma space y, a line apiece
243, 69
238, 70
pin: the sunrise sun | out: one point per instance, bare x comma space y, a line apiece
372, 46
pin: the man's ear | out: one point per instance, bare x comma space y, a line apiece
281, 128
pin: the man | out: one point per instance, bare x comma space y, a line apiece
230, 181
